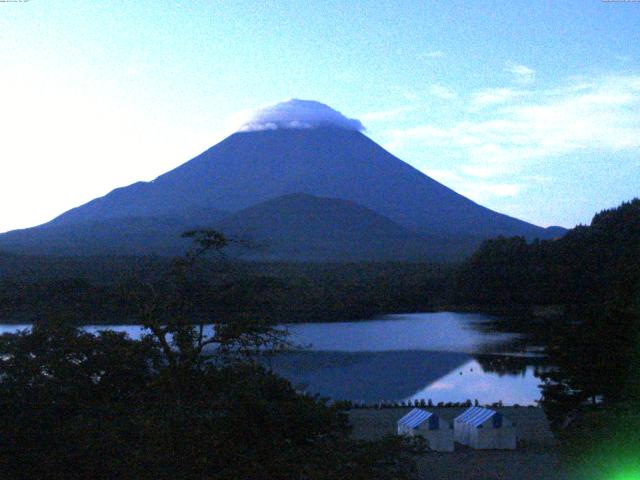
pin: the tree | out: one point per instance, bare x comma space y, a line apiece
64, 394
180, 403
174, 322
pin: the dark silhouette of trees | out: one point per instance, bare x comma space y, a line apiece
99, 289
184, 402
591, 390
591, 265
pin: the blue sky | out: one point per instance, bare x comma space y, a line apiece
529, 108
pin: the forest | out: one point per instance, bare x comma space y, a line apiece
590, 265
103, 290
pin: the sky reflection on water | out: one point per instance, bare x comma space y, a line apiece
471, 382
438, 356
442, 331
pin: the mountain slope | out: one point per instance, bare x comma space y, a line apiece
302, 227
152, 235
296, 227
389, 209
248, 168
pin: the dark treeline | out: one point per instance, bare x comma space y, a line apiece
591, 393
591, 265
593, 271
104, 289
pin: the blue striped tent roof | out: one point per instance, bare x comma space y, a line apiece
415, 417
475, 416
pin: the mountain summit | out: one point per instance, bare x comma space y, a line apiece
297, 147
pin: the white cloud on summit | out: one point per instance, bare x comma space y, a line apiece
293, 114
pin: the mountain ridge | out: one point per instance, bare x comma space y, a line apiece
249, 168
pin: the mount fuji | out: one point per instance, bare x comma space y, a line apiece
299, 178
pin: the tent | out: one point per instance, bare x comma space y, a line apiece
436, 431
483, 428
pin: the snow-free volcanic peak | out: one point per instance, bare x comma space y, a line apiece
295, 114
304, 181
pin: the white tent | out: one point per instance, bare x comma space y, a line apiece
436, 431
483, 428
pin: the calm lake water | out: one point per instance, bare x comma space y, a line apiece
445, 357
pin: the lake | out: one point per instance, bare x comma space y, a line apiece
445, 357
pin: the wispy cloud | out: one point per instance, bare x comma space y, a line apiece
385, 114
586, 114
406, 94
521, 73
479, 190
622, 58
493, 96
442, 92
434, 54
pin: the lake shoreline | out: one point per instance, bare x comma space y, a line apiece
530, 312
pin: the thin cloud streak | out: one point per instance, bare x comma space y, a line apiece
385, 114
480, 190
599, 114
442, 92
521, 73
494, 96
434, 54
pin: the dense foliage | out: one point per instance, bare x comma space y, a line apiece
100, 289
76, 405
593, 270
182, 403
591, 265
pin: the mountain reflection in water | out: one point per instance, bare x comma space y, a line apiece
366, 376
371, 377
444, 356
